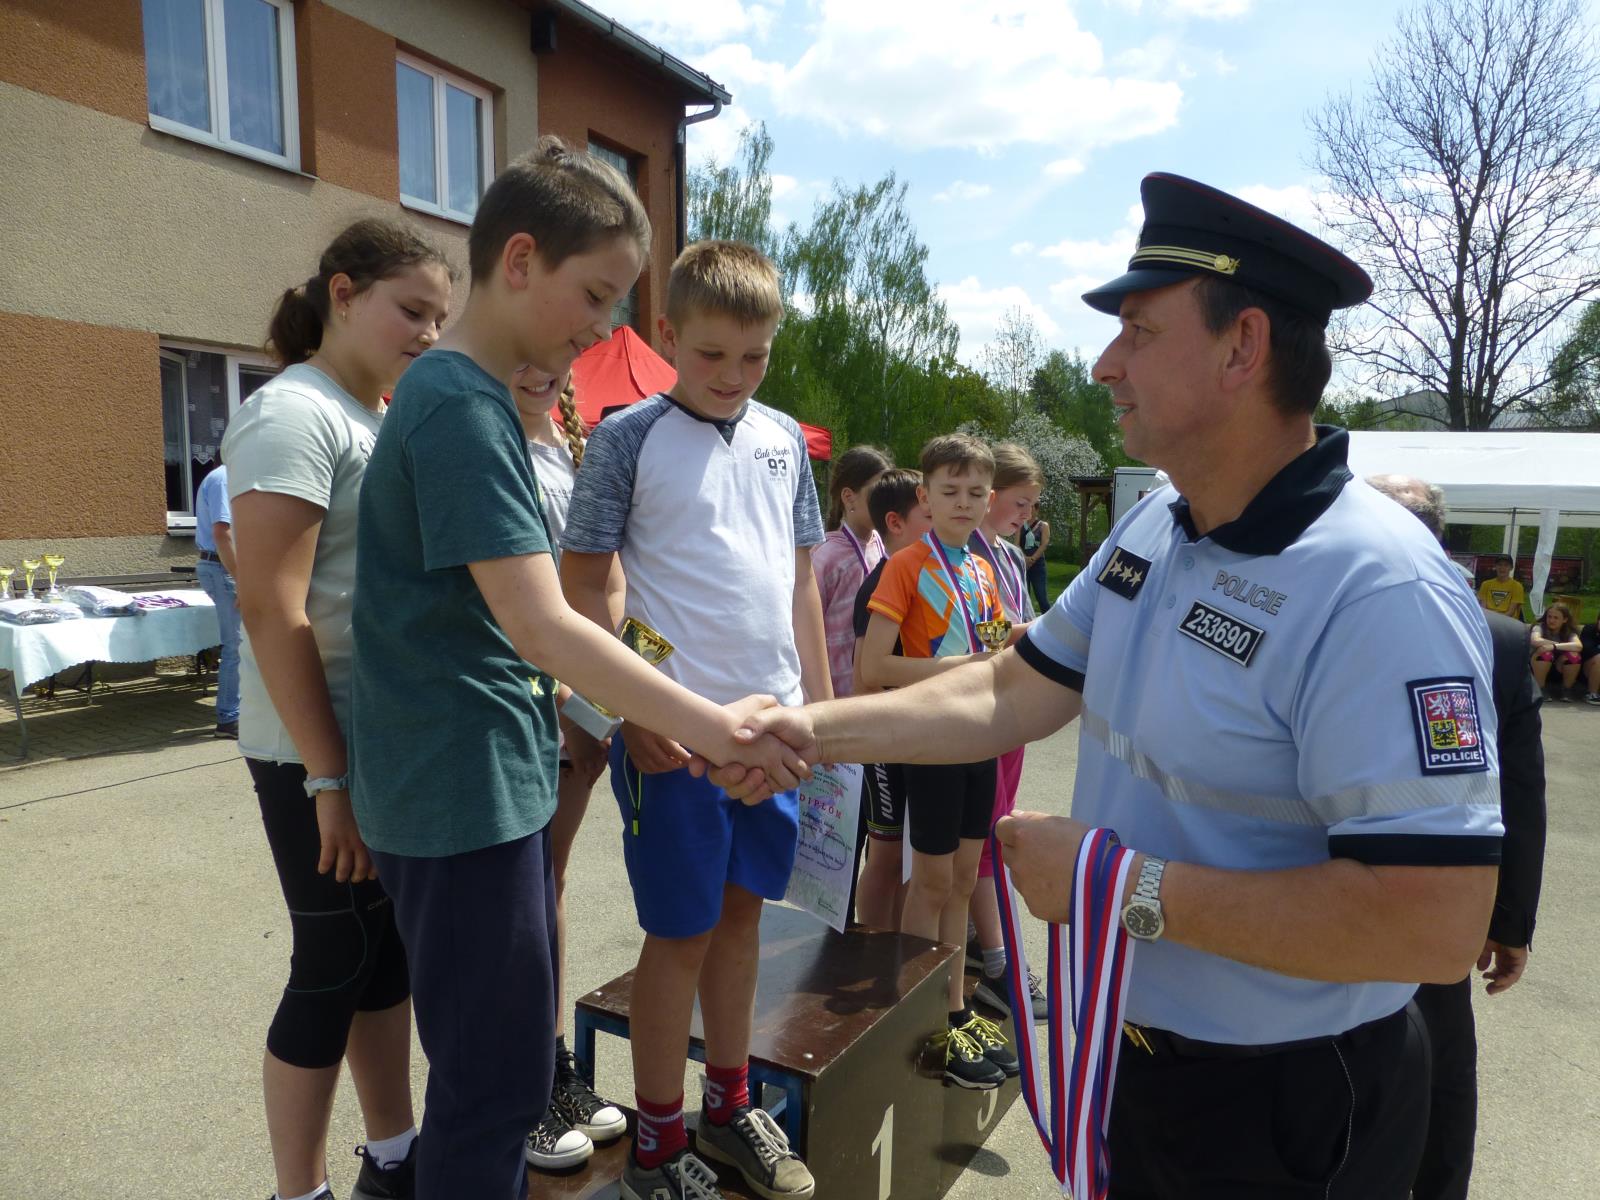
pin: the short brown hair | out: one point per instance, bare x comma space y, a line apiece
959, 452
729, 279
1015, 467
1300, 366
895, 492
568, 201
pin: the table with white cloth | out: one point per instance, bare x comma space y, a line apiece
34, 652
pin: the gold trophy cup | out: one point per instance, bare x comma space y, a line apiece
30, 567
52, 564
5, 582
994, 634
600, 722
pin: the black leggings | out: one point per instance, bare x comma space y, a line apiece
347, 957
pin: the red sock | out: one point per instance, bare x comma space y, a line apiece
727, 1088
661, 1133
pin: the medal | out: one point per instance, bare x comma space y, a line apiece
1011, 585
1093, 975
974, 644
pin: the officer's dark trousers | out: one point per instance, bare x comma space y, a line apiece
1453, 1118
1342, 1118
479, 929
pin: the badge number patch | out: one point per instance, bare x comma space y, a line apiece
1214, 629
1445, 715
1124, 574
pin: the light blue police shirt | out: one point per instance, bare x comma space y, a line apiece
210, 506
1309, 681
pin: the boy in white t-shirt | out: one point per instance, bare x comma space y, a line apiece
707, 497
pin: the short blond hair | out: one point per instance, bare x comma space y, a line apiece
1015, 467
729, 279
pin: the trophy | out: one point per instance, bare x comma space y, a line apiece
598, 722
994, 634
29, 567
5, 582
52, 564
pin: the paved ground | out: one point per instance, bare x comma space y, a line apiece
143, 942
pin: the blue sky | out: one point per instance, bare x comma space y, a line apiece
1024, 126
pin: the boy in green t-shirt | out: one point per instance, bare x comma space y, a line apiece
453, 745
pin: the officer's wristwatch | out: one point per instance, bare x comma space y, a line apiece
1141, 916
325, 783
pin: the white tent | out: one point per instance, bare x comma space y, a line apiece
1510, 478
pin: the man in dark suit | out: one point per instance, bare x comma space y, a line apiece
1447, 1008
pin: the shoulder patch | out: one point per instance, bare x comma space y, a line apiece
1124, 574
1444, 713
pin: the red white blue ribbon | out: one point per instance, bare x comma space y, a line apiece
973, 644
1005, 571
1092, 973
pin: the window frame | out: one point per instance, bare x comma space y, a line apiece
632, 168
441, 76
217, 76
181, 524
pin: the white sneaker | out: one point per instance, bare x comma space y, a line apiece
554, 1145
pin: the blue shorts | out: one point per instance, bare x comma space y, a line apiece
683, 839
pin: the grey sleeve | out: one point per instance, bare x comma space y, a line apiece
602, 491
807, 510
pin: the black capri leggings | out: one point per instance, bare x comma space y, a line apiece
347, 957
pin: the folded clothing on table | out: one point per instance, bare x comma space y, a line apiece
37, 612
102, 602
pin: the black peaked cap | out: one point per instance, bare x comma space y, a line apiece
1191, 229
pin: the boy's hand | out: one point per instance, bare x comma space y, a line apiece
760, 766
343, 851
651, 753
588, 756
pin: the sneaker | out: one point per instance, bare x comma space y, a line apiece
987, 1034
993, 993
325, 1194
974, 954
554, 1145
597, 1119
757, 1148
227, 729
1591, 697
965, 1063
681, 1177
398, 1182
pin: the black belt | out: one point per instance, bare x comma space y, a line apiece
209, 556
1163, 1043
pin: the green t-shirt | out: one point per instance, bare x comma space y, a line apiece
453, 735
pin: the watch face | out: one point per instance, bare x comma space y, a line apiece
1141, 920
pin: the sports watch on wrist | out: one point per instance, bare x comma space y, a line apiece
326, 783
1141, 916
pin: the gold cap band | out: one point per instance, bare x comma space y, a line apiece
1185, 257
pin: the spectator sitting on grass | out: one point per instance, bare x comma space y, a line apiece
1502, 594
1554, 641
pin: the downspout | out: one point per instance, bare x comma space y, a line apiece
681, 166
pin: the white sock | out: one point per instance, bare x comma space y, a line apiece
391, 1152
320, 1190
994, 962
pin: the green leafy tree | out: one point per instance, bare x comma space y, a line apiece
1064, 391
1575, 376
734, 200
1011, 359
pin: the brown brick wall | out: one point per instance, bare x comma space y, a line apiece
80, 407
89, 52
348, 124
588, 90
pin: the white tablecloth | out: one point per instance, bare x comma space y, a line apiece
35, 652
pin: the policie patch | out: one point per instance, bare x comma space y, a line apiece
1216, 630
1124, 574
1449, 738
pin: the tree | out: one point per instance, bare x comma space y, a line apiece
1060, 456
1575, 376
1465, 181
1063, 390
735, 201
1012, 357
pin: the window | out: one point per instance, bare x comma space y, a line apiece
222, 72
626, 310
200, 390
446, 154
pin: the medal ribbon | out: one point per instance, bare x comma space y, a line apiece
1093, 974
973, 644
855, 544
1005, 571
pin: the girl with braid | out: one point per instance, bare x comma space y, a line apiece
576, 1117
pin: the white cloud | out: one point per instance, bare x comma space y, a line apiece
978, 309
678, 26
962, 190
1023, 248
1203, 9
782, 185
940, 73
1296, 203
1063, 168
717, 138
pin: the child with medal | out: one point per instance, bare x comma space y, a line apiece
934, 597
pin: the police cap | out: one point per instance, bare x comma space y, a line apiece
1191, 229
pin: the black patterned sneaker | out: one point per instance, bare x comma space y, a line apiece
754, 1144
987, 1034
599, 1120
398, 1182
554, 1145
681, 1177
965, 1063
994, 994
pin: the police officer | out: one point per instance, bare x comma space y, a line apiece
1283, 694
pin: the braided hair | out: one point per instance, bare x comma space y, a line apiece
572, 426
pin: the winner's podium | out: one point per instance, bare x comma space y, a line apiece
841, 1053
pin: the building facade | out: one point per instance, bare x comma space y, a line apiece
171, 166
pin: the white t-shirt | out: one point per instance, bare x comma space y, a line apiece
555, 472
303, 435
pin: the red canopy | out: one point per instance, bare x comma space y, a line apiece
625, 369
